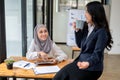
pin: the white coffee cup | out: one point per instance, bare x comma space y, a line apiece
79, 24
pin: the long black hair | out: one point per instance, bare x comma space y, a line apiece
97, 12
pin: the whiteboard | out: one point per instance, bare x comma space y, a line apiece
74, 14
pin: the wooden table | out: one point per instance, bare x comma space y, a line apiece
75, 48
4, 72
25, 73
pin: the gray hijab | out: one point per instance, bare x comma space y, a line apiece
40, 45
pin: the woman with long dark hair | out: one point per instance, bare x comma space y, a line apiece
92, 39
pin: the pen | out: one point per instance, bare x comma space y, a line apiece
26, 64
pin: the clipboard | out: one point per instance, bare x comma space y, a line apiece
44, 63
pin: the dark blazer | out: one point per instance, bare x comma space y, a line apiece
92, 48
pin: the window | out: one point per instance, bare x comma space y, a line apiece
64, 5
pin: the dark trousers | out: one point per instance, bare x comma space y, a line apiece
72, 72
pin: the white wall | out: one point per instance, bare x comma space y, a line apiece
60, 21
60, 27
115, 26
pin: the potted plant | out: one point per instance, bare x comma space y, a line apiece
9, 63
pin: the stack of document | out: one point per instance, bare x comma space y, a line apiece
46, 69
23, 64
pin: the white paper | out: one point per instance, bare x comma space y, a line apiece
46, 69
74, 14
24, 64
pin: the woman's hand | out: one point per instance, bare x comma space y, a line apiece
53, 60
74, 26
43, 55
83, 65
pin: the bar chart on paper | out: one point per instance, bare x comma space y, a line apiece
74, 14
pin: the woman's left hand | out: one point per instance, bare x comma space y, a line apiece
53, 60
83, 65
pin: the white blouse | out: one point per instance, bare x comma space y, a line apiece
55, 52
90, 29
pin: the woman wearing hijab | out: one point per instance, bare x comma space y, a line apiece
43, 47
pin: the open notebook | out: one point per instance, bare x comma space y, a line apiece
24, 64
46, 69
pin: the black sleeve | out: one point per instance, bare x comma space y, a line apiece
78, 37
80, 34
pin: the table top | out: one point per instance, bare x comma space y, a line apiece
75, 48
27, 73
4, 71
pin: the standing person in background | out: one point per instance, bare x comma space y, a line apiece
43, 47
92, 39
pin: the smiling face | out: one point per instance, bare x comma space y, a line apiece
42, 33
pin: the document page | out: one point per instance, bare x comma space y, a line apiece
23, 64
46, 69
